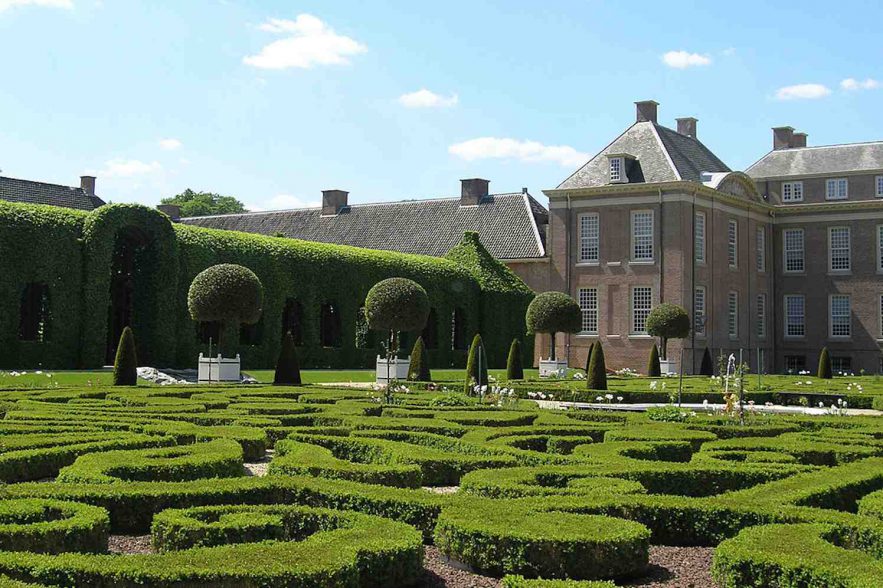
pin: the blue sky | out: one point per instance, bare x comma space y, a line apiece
273, 101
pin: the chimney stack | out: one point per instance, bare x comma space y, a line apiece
687, 126
172, 210
783, 138
646, 111
87, 184
798, 140
472, 191
333, 201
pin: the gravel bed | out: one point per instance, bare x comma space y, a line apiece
259, 468
441, 489
129, 544
439, 573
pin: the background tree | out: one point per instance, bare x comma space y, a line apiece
826, 372
418, 371
476, 370
125, 365
204, 203
668, 321
514, 367
552, 313
227, 293
597, 376
707, 367
287, 367
396, 304
653, 368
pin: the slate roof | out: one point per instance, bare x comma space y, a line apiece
663, 155
507, 225
827, 159
28, 192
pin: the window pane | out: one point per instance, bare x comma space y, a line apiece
588, 303
699, 310
733, 315
840, 249
840, 311
732, 243
589, 237
642, 235
700, 237
794, 316
794, 250
761, 315
761, 249
642, 298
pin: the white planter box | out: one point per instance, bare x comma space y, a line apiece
218, 369
553, 368
668, 366
398, 369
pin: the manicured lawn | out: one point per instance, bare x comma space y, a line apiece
54, 379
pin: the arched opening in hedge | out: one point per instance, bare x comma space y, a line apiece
251, 334
458, 329
330, 325
430, 331
293, 320
34, 313
128, 260
208, 332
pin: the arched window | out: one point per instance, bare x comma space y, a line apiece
251, 334
430, 331
293, 319
458, 329
34, 319
208, 332
329, 325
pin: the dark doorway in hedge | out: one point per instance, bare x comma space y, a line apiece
251, 334
34, 318
208, 332
430, 331
330, 326
293, 320
364, 334
458, 329
129, 245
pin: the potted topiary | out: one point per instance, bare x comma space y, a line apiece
231, 295
552, 313
394, 305
668, 321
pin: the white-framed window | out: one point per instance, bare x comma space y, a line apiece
642, 235
733, 314
699, 238
839, 249
795, 315
878, 182
733, 243
616, 169
642, 301
589, 237
841, 325
880, 248
837, 189
699, 310
761, 249
792, 191
793, 250
588, 303
761, 316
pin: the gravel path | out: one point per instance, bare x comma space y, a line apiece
259, 468
129, 544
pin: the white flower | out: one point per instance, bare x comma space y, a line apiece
619, 398
705, 402
599, 399
653, 384
608, 396
821, 405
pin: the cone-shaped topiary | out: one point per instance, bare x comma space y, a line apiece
419, 369
653, 368
473, 377
553, 312
125, 365
589, 357
707, 368
514, 369
825, 371
597, 376
227, 293
287, 368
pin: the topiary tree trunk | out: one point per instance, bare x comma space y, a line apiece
287, 368
597, 377
125, 365
653, 368
589, 358
473, 377
419, 369
825, 370
514, 369
707, 367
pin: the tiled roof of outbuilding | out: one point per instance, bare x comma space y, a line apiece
28, 192
507, 224
826, 159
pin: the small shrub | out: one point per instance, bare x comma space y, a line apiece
451, 400
825, 370
596, 379
669, 413
419, 368
125, 365
653, 369
473, 377
514, 369
287, 368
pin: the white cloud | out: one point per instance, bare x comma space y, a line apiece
127, 168
283, 202
6, 4
802, 92
854, 84
527, 151
308, 42
423, 98
170, 144
684, 59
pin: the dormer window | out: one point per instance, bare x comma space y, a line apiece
616, 169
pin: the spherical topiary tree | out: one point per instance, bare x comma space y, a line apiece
125, 365
227, 293
668, 321
653, 368
418, 371
514, 367
826, 372
396, 304
287, 367
552, 313
597, 376
707, 367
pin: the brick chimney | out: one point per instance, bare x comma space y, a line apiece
172, 210
472, 191
798, 140
646, 111
333, 201
87, 184
687, 126
783, 138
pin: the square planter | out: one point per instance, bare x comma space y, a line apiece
668, 366
553, 368
218, 369
398, 369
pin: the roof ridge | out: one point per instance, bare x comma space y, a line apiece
42, 183
831, 146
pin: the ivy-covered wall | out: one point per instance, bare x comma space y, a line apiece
80, 255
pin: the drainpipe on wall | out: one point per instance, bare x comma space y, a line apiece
661, 252
568, 233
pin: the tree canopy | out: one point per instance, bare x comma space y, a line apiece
204, 203
668, 321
